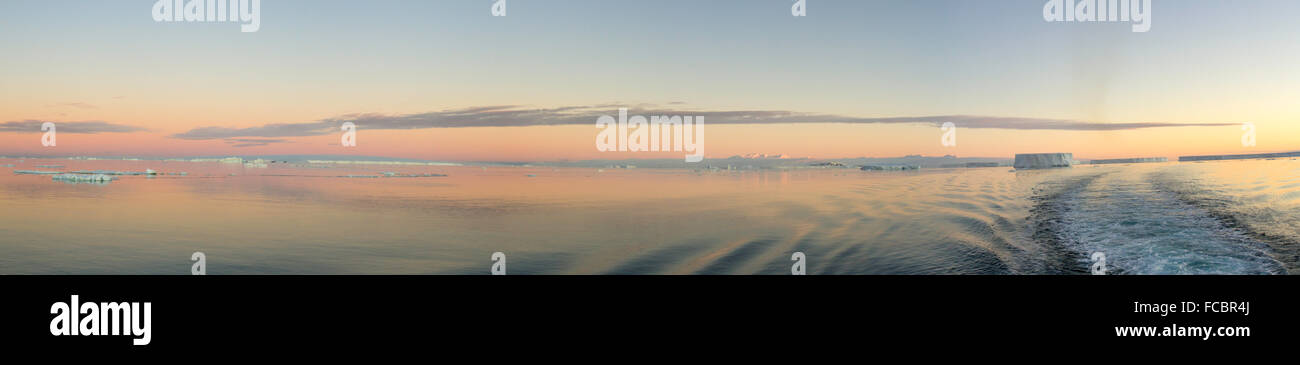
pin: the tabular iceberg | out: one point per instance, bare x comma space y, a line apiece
1043, 160
1239, 157
1130, 160
84, 178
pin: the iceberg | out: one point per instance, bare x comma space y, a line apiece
889, 167
83, 178
1043, 160
111, 172
1129, 160
412, 163
36, 172
1239, 157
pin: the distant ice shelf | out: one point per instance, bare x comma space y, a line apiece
37, 172
889, 167
413, 163
1239, 157
1129, 160
148, 172
971, 165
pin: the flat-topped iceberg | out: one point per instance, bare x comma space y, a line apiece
1239, 157
1043, 160
889, 167
1130, 160
359, 162
111, 172
84, 177
37, 172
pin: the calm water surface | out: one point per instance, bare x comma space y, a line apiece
1234, 217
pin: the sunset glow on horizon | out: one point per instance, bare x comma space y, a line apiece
1202, 62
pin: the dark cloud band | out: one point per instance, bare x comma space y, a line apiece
88, 127
516, 116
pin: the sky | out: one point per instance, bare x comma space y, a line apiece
446, 80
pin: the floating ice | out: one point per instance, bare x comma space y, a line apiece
1239, 157
1130, 160
889, 167
111, 172
1043, 160
36, 172
83, 178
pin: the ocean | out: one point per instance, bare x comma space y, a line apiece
1222, 217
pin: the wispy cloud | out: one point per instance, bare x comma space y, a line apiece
253, 142
518, 116
87, 127
78, 105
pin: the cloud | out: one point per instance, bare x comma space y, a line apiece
78, 105
252, 142
88, 127
518, 116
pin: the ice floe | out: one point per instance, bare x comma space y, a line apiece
84, 177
